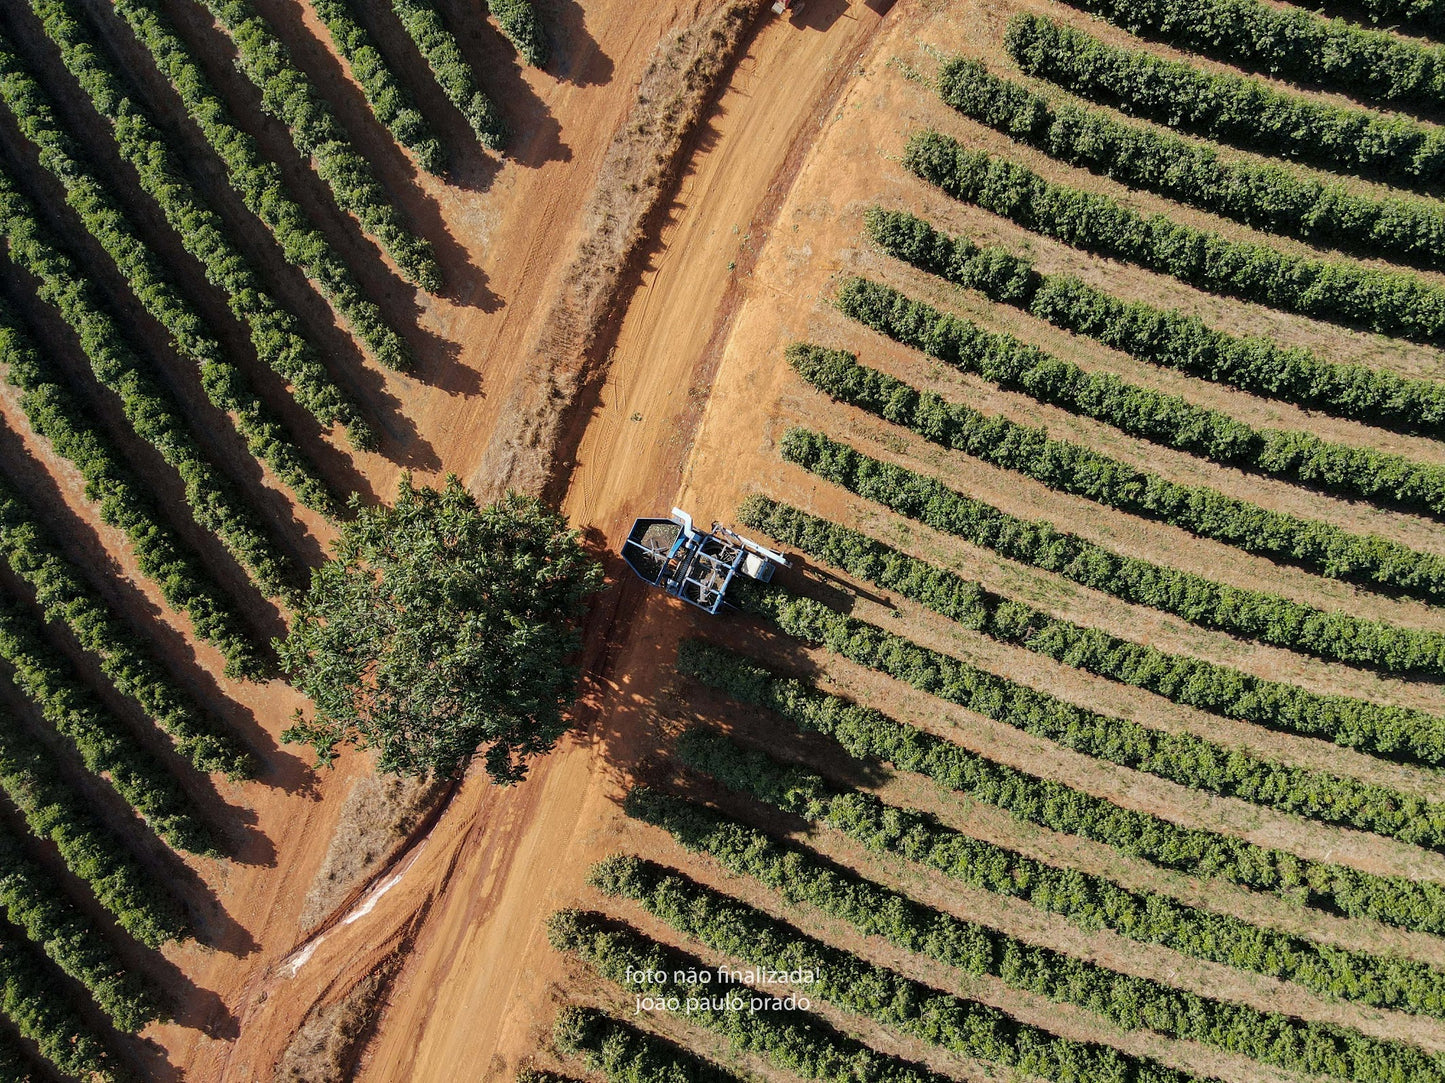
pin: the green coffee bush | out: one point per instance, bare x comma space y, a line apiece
388, 99
1380, 729
1269, 196
1295, 455
1228, 108
1290, 43
1088, 900
288, 96
1313, 544
797, 1042
802, 877
1337, 291
253, 177
154, 414
963, 1026
624, 1053
31, 999
34, 901
442, 53
1268, 618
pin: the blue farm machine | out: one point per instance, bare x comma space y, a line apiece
694, 565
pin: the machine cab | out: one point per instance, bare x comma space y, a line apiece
692, 565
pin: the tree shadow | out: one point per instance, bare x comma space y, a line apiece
576, 57
535, 135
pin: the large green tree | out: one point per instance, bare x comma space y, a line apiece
440, 629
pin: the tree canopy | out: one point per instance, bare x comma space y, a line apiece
440, 629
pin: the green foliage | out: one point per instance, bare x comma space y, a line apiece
1392, 899
225, 384
1085, 899
439, 627
40, 1011
1377, 728
1164, 337
1338, 291
67, 599
444, 56
125, 502
275, 334
960, 1025
1291, 44
105, 746
388, 99
518, 20
1226, 107
794, 1041
624, 1053
154, 415
288, 96
56, 811
1365, 559
1270, 197
32, 899
255, 179
1268, 618
1132, 1003
1295, 455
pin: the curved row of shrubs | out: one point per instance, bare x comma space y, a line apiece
518, 20
1290, 43
389, 101
254, 178
102, 741
1295, 455
33, 900
288, 96
1379, 729
32, 1000
1128, 1001
444, 56
1266, 618
624, 1053
125, 503
1334, 290
1327, 886
275, 333
1088, 900
1368, 560
56, 811
1228, 108
154, 415
795, 1041
66, 598
1165, 337
1269, 196
961, 1025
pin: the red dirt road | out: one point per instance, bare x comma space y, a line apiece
471, 898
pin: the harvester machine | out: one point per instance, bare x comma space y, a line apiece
694, 565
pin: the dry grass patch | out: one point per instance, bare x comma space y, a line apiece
327, 1045
640, 167
379, 813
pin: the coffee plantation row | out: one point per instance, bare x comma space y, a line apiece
97, 804
778, 849
1321, 547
